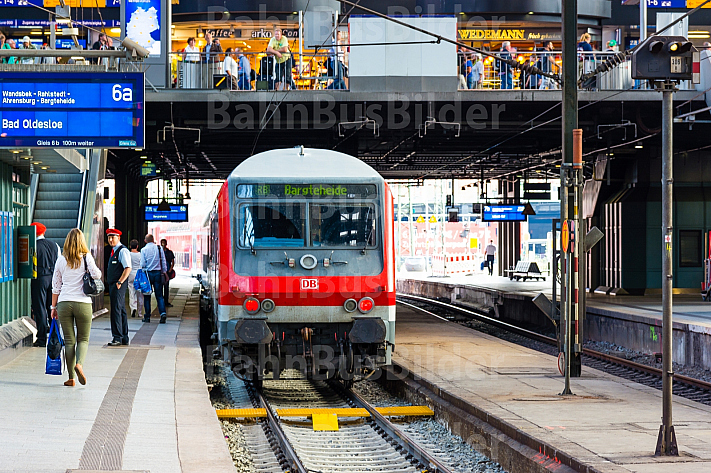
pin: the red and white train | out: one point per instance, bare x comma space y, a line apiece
300, 267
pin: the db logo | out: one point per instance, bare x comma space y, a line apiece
309, 284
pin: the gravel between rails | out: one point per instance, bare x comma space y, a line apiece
251, 452
248, 444
451, 449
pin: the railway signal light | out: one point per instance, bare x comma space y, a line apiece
665, 58
449, 200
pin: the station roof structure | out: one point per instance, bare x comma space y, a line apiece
475, 135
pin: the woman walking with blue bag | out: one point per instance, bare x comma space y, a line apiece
71, 304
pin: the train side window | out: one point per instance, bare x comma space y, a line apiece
342, 224
272, 225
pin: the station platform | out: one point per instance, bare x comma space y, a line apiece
145, 407
633, 322
688, 308
610, 424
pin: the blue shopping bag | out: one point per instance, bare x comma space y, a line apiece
141, 282
55, 346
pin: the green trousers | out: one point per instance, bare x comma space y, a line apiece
76, 346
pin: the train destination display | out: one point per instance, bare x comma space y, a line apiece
504, 213
177, 213
71, 110
309, 191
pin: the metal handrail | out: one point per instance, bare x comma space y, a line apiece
92, 53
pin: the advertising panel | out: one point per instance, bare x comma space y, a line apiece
143, 24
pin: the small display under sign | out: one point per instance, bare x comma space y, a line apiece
504, 213
306, 191
177, 213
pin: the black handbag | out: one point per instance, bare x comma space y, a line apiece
91, 286
55, 342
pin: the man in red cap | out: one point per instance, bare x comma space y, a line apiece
119, 268
41, 287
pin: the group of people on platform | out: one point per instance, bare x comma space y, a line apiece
275, 68
58, 290
472, 68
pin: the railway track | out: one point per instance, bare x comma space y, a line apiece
684, 386
361, 444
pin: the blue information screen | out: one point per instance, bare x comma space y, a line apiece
666, 3
504, 213
71, 110
177, 213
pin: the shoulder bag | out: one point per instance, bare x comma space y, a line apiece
163, 275
92, 287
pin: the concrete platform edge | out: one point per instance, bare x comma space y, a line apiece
511, 447
201, 443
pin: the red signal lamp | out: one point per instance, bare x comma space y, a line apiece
365, 305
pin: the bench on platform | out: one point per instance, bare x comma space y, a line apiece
525, 270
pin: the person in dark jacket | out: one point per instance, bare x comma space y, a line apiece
41, 287
119, 269
170, 262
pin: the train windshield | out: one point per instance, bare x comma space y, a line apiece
342, 224
272, 225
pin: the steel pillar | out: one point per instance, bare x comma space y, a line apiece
666, 443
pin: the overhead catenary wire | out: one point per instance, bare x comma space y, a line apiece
519, 133
286, 93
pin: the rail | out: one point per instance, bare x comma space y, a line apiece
679, 380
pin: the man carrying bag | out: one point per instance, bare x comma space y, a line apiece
154, 263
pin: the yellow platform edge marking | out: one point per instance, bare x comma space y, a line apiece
232, 413
325, 422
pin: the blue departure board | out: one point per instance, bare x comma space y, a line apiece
666, 3
72, 110
504, 213
177, 213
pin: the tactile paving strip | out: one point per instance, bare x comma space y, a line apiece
103, 449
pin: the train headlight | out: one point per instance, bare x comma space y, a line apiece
308, 262
365, 305
251, 305
350, 305
268, 305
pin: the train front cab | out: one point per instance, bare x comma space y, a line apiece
310, 276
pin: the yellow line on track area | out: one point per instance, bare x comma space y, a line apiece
341, 412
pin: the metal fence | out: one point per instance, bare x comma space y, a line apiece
495, 75
197, 70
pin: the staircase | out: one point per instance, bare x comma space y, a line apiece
57, 204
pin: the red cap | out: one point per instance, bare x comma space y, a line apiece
40, 228
113, 231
